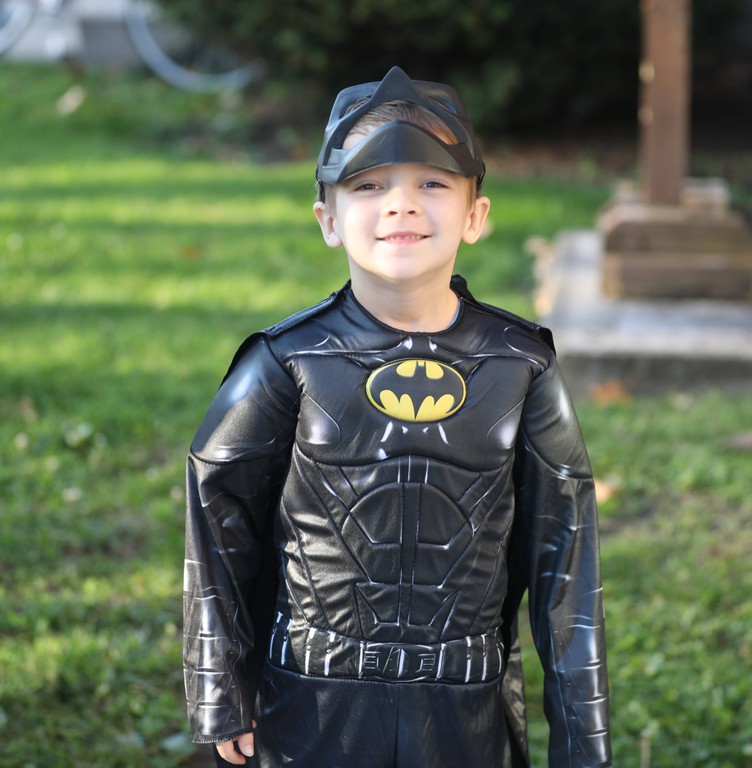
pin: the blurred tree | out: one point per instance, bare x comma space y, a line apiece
518, 64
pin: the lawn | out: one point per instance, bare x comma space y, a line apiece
140, 241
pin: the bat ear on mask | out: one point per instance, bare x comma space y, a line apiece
397, 141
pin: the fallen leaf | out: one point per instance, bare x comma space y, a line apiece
604, 491
608, 392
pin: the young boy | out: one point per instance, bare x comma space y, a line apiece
379, 480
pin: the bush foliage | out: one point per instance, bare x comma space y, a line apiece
518, 64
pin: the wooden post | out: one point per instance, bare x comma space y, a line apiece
676, 237
665, 96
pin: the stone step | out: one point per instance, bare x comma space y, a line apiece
647, 346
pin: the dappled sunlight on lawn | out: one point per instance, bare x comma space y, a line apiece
130, 271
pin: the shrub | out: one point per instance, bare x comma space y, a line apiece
518, 64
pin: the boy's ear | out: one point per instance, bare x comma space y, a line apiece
476, 219
326, 222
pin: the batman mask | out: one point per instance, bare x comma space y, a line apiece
397, 141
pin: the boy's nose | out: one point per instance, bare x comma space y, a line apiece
401, 201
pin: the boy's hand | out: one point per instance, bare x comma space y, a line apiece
228, 752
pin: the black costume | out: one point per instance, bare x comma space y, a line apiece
366, 509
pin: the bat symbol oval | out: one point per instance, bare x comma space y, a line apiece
416, 390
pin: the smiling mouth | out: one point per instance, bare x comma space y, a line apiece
401, 237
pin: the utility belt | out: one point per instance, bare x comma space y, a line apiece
312, 651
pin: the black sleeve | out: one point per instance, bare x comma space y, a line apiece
236, 467
557, 545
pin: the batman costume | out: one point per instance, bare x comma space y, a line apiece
366, 507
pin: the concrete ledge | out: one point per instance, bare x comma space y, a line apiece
648, 346
698, 248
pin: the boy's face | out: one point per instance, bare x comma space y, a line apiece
402, 223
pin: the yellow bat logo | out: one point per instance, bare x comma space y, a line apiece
416, 390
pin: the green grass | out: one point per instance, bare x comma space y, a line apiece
676, 538
139, 244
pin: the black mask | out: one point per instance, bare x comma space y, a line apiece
398, 141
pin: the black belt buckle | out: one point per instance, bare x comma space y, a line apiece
392, 662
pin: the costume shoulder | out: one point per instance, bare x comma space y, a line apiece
459, 285
287, 324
